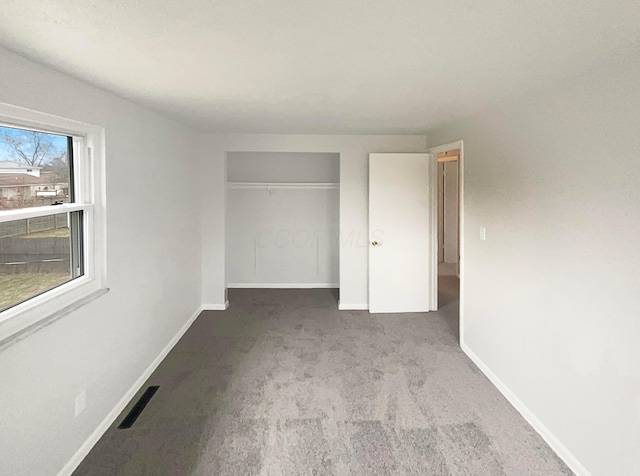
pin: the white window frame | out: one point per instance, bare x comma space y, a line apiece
89, 197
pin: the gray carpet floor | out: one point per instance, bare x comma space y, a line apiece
283, 383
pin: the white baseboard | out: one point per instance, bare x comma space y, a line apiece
555, 444
352, 307
216, 307
282, 285
83, 451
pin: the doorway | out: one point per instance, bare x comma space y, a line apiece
448, 213
449, 183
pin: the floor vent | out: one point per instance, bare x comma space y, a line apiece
135, 412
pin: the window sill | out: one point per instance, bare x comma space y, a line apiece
23, 333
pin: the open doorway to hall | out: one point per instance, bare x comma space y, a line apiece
449, 213
449, 187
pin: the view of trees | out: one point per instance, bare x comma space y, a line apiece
47, 182
38, 149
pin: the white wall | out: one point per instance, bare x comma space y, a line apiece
284, 167
153, 272
353, 152
551, 297
282, 236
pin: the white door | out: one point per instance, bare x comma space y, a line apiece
400, 226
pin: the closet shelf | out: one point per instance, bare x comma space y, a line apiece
275, 185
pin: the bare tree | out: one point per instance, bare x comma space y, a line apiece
59, 166
33, 148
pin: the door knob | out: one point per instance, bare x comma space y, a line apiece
375, 243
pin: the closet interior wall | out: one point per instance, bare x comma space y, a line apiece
282, 220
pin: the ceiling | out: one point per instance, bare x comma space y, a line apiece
329, 66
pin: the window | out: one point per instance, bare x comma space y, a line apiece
51, 218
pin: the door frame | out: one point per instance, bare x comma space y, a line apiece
459, 144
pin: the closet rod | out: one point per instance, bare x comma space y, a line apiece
275, 185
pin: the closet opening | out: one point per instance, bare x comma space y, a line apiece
282, 220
